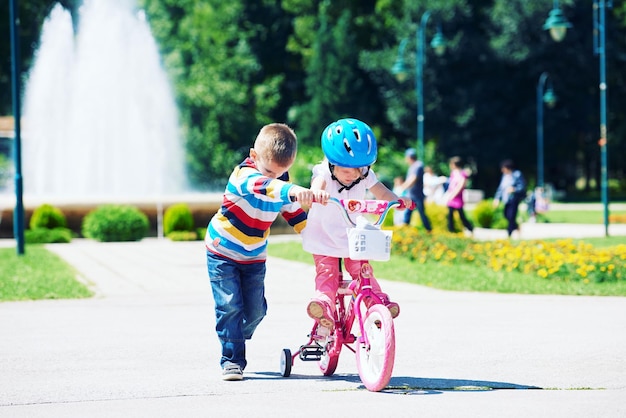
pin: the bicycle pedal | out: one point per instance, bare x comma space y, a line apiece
312, 352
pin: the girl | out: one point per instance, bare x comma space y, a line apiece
350, 148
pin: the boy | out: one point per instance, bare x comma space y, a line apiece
350, 148
236, 239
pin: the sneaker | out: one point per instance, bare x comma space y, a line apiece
320, 311
232, 372
394, 309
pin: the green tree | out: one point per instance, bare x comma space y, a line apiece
330, 81
223, 95
333, 38
237, 65
480, 97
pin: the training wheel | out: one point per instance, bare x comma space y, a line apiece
285, 362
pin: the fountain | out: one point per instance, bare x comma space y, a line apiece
100, 123
100, 118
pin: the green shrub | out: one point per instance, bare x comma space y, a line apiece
489, 217
5, 170
485, 213
438, 216
201, 232
47, 216
177, 217
183, 236
500, 222
47, 235
114, 223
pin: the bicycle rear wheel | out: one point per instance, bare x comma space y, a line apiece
375, 361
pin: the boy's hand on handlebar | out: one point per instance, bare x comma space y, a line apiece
302, 195
306, 196
321, 196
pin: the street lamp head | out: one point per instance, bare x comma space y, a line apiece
557, 24
549, 98
399, 68
439, 43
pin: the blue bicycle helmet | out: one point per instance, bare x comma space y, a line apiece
349, 143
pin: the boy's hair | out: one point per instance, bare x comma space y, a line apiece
278, 143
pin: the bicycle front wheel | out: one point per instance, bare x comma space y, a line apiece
330, 357
375, 360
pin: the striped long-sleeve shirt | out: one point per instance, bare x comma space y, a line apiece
251, 203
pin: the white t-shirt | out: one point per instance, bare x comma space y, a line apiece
325, 232
433, 188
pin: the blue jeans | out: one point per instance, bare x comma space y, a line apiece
510, 213
419, 205
240, 305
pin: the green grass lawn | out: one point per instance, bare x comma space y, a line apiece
576, 216
38, 274
601, 242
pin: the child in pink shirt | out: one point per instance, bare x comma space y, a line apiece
454, 194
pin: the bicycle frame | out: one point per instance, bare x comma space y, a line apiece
345, 315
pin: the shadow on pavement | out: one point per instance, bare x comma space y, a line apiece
407, 385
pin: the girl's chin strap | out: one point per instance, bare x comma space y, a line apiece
343, 186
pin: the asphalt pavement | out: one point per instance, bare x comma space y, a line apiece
145, 346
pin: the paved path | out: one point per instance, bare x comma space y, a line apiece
530, 231
144, 346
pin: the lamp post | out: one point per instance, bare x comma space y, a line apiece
548, 97
599, 43
599, 48
18, 214
438, 43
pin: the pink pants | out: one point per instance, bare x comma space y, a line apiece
327, 277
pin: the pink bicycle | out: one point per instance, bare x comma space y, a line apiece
374, 343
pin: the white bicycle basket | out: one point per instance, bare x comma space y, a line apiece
369, 243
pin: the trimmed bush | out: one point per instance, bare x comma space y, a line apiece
177, 217
114, 223
438, 216
47, 216
183, 236
485, 213
47, 236
48, 225
489, 217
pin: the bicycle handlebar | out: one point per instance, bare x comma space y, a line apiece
374, 207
